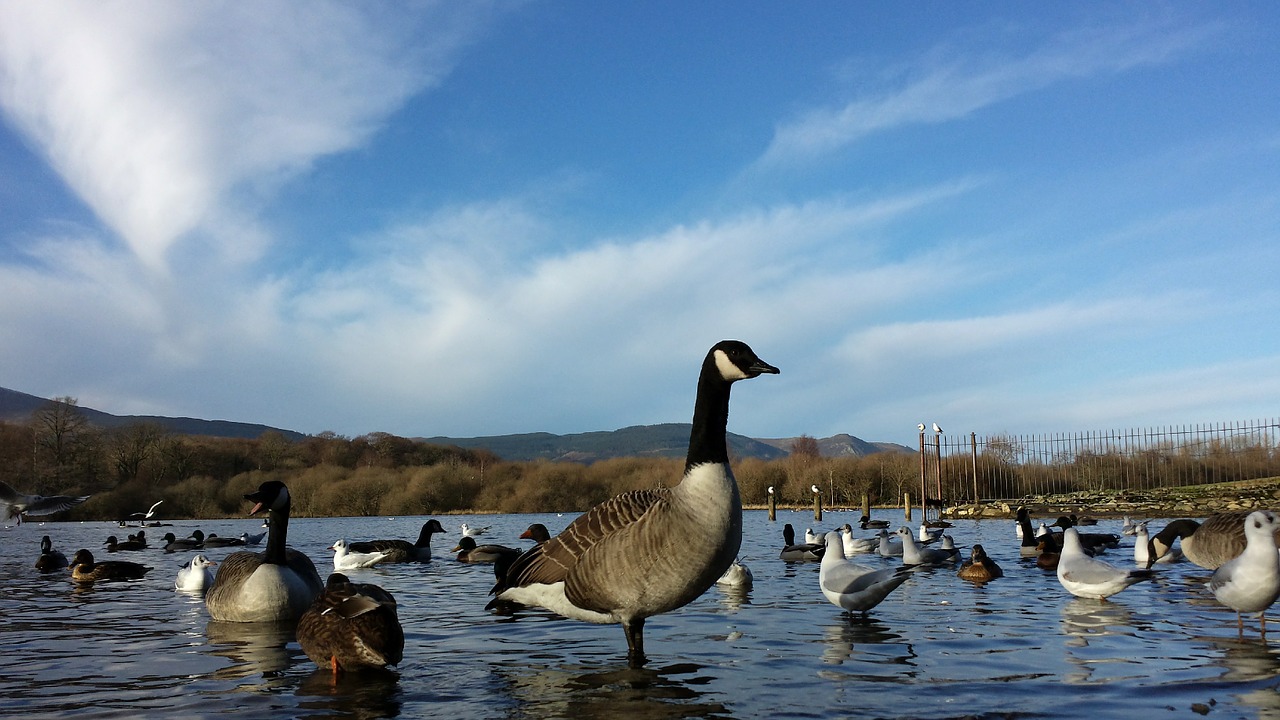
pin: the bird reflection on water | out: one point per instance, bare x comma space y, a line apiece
645, 693
253, 648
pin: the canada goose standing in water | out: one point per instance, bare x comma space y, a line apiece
276, 584
1208, 544
351, 626
624, 560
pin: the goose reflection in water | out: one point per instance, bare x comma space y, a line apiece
254, 648
673, 691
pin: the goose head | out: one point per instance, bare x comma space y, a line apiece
737, 361
271, 495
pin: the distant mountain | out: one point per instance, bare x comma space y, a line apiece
664, 440
17, 407
842, 445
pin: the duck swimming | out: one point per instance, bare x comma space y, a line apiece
85, 570
352, 626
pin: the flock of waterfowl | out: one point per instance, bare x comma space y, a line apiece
625, 560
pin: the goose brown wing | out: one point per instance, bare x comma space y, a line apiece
552, 561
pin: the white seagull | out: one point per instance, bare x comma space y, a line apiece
738, 577
857, 546
147, 515
855, 587
812, 538
889, 547
195, 575
17, 505
344, 559
473, 531
913, 554
1250, 583
1087, 577
936, 428
1142, 549
920, 426
814, 489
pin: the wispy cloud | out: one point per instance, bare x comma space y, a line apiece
951, 83
170, 119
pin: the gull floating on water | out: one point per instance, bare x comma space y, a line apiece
195, 575
913, 554
344, 559
474, 531
1088, 577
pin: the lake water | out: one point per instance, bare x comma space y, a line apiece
938, 647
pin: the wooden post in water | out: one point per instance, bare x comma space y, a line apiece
973, 453
817, 503
866, 505
773, 505
906, 505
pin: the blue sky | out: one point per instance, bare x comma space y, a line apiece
470, 218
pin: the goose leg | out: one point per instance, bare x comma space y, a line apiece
635, 642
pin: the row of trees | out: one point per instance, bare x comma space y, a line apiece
127, 469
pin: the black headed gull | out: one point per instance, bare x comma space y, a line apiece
17, 505
1250, 582
1087, 577
854, 587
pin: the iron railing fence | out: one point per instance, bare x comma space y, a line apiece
965, 468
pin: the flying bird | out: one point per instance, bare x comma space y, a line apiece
150, 511
17, 505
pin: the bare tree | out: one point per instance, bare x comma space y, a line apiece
59, 427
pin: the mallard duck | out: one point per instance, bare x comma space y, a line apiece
615, 563
798, 552
114, 545
536, 532
50, 559
85, 570
176, 544
276, 584
979, 567
213, 540
351, 626
400, 551
469, 552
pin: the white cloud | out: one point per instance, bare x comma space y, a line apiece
951, 84
164, 117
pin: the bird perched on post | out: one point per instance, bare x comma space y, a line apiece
936, 428
614, 563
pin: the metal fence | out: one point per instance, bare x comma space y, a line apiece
962, 468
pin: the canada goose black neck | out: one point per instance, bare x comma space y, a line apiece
727, 362
275, 497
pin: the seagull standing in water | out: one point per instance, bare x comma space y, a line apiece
1250, 583
1086, 577
854, 587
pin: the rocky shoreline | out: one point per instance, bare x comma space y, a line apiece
1193, 501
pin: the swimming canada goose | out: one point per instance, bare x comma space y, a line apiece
854, 587
49, 559
351, 626
1250, 582
114, 545
195, 575
796, 552
85, 570
469, 552
1088, 577
402, 551
979, 567
345, 559
276, 584
623, 561
1208, 544
18, 505
1028, 543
